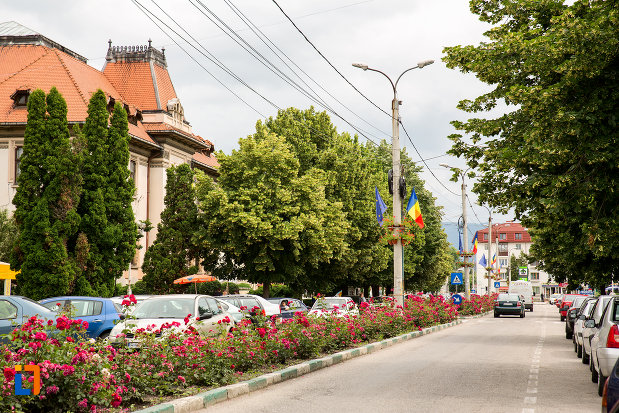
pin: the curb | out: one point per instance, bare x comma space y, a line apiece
470, 317
211, 397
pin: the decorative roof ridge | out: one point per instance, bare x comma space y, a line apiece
139, 53
84, 99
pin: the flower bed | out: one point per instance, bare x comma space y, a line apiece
88, 375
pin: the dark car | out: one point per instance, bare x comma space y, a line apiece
508, 304
16, 310
288, 307
572, 313
102, 314
610, 396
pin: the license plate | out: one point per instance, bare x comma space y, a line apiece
132, 345
508, 303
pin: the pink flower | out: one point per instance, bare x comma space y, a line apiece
9, 373
83, 404
41, 335
53, 389
182, 379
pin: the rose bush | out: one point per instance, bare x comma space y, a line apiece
87, 375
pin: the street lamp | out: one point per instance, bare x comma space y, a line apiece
467, 286
398, 281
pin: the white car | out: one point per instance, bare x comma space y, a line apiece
202, 312
554, 297
233, 310
249, 301
334, 306
579, 325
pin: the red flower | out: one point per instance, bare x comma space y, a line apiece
9, 374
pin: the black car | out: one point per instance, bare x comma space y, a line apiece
509, 304
289, 306
610, 396
573, 312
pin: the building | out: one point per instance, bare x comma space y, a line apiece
509, 239
136, 76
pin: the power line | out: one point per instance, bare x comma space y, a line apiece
327, 60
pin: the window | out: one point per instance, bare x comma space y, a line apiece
517, 235
502, 247
486, 237
518, 246
20, 98
502, 235
7, 310
19, 151
212, 303
250, 303
56, 305
535, 276
503, 262
83, 308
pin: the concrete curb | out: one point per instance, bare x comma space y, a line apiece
470, 317
211, 397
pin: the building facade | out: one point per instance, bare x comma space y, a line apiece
136, 76
509, 239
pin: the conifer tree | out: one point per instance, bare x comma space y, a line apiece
46, 200
173, 252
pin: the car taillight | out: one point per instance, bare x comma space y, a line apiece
518, 304
613, 337
496, 303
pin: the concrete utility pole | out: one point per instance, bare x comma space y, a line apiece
489, 252
398, 276
467, 284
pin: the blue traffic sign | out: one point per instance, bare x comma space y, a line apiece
497, 284
456, 278
457, 299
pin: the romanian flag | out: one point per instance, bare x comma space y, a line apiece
493, 259
413, 209
475, 244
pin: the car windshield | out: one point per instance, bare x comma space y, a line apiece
329, 303
508, 297
165, 308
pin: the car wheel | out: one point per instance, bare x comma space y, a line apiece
568, 335
531, 308
562, 318
522, 315
585, 357
104, 335
601, 383
579, 353
594, 375
496, 315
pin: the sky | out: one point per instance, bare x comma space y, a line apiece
388, 35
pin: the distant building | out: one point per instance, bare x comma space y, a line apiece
136, 76
509, 239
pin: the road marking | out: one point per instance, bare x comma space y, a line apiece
532, 384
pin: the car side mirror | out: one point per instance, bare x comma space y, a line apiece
121, 316
582, 317
206, 315
589, 323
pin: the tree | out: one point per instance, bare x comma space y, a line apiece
267, 216
9, 232
108, 232
553, 155
174, 252
46, 201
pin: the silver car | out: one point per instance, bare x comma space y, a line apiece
202, 312
579, 325
590, 329
605, 344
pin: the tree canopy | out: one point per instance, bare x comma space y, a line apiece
553, 155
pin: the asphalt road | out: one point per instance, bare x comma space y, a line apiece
507, 364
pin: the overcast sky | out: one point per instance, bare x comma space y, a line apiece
388, 35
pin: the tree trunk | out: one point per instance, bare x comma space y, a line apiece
266, 289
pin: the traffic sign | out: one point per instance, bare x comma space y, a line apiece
457, 299
473, 291
523, 271
456, 278
497, 284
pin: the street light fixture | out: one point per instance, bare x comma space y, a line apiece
467, 285
398, 281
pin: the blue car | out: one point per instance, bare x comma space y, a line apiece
102, 314
16, 310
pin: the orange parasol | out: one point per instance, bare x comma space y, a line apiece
196, 278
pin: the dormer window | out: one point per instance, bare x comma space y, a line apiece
20, 98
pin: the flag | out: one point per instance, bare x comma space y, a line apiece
460, 242
493, 259
338, 294
381, 208
475, 244
483, 261
413, 209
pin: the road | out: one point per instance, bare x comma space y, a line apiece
487, 364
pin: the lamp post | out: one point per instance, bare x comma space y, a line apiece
467, 284
398, 281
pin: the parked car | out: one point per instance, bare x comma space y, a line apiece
566, 302
571, 316
139, 298
334, 306
605, 344
15, 310
610, 396
233, 310
249, 301
579, 325
509, 304
288, 307
201, 312
554, 297
590, 329
102, 314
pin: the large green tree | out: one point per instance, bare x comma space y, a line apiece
174, 252
108, 231
553, 155
267, 215
46, 200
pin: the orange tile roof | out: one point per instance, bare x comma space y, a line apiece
210, 160
163, 127
134, 82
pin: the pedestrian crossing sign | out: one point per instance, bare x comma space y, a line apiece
456, 278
